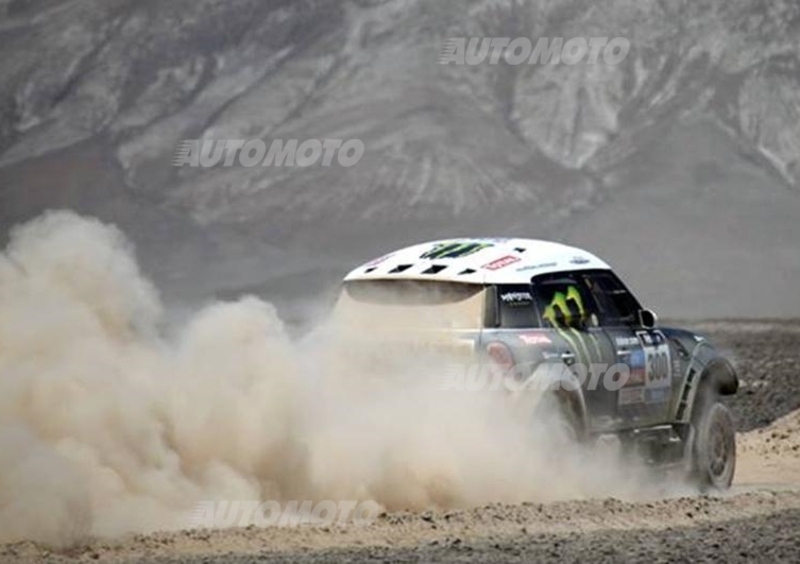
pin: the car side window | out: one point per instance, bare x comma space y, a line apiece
515, 307
617, 305
564, 301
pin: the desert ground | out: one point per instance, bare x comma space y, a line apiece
756, 520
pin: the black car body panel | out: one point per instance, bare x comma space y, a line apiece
548, 305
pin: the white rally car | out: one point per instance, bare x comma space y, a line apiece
521, 303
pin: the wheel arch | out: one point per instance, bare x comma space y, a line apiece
557, 387
720, 377
574, 404
704, 381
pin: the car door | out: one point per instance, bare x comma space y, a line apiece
512, 319
571, 312
644, 398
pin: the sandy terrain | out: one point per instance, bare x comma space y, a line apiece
731, 527
771, 454
757, 520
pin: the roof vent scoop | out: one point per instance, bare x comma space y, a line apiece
467, 271
400, 268
435, 269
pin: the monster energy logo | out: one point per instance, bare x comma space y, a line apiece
579, 341
562, 301
454, 250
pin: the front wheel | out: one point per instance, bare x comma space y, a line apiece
714, 450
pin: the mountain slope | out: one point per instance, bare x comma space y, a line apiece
450, 149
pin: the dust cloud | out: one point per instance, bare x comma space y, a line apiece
107, 427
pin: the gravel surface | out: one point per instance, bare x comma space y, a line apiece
758, 520
737, 527
767, 358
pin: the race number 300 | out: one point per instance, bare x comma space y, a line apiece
658, 368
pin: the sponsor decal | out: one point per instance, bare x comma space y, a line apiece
511, 297
561, 301
501, 263
630, 396
580, 260
638, 364
627, 341
455, 250
579, 341
658, 365
535, 339
537, 266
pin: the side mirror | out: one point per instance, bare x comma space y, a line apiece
647, 318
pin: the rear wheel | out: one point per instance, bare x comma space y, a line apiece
558, 419
713, 458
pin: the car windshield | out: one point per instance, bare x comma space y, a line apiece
409, 304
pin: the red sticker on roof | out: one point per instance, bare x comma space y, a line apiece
501, 263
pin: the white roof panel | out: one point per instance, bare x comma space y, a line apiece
478, 261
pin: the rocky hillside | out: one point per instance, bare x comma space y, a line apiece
117, 84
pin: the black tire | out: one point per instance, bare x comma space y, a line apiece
713, 458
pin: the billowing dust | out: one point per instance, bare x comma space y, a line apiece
107, 427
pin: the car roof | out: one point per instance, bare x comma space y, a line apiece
478, 261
